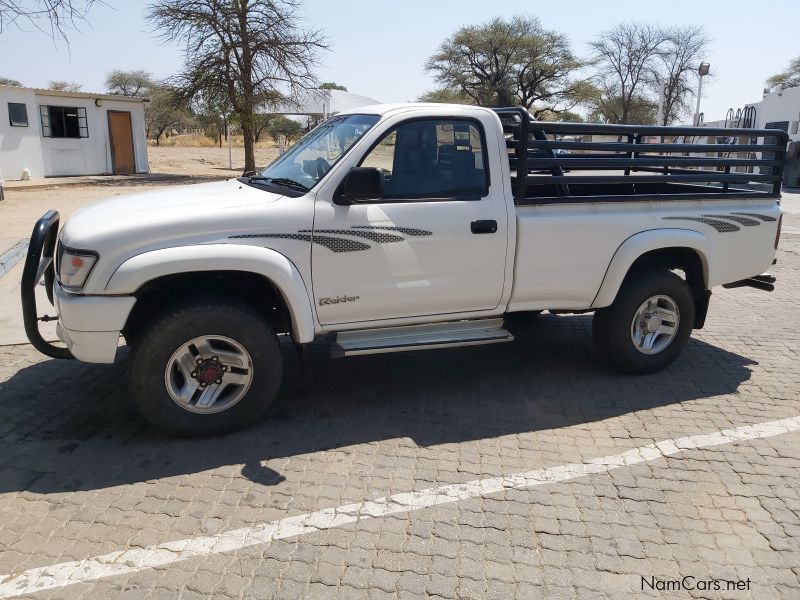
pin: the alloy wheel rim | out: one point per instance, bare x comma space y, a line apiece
208, 374
655, 324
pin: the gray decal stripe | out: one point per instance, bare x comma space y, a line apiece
381, 238
290, 236
407, 230
746, 221
331, 243
339, 244
756, 215
721, 226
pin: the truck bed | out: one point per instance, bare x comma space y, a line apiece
588, 162
715, 191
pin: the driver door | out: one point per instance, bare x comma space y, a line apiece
434, 244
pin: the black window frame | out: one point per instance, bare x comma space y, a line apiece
46, 114
11, 118
432, 198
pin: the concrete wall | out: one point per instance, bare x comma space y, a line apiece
780, 106
25, 147
774, 107
20, 147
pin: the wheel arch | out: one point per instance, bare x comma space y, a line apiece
682, 249
247, 273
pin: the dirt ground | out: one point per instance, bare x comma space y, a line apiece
204, 160
21, 208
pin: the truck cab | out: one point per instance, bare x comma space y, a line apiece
406, 227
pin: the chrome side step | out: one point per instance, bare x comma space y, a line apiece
420, 337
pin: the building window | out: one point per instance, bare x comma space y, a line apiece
18, 114
64, 121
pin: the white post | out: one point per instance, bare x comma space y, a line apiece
697, 107
661, 88
230, 148
326, 104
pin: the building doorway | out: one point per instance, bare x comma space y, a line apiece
120, 131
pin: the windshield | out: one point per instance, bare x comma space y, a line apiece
305, 163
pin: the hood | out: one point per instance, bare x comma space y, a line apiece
171, 213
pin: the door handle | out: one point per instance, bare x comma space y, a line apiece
484, 226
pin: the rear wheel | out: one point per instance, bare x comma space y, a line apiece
206, 367
648, 324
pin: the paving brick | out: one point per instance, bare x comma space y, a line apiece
81, 473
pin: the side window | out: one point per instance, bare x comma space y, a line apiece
431, 158
382, 156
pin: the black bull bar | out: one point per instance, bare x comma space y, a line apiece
39, 263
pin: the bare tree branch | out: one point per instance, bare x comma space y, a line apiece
683, 50
240, 55
626, 57
51, 17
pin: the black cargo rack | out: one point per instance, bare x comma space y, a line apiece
564, 162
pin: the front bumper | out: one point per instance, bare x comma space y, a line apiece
90, 346
88, 325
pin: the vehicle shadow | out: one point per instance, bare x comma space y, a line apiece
67, 426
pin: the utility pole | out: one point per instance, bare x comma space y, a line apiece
702, 71
661, 86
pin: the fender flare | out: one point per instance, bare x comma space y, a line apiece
274, 266
641, 243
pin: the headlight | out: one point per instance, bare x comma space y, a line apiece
74, 268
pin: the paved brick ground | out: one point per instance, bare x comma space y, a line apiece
81, 474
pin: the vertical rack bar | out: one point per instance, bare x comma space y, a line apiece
522, 155
631, 140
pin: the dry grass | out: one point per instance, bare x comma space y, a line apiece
190, 140
196, 140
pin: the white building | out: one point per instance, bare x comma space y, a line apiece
780, 110
49, 134
776, 110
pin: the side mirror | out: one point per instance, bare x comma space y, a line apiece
361, 183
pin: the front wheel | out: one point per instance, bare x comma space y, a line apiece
206, 367
648, 325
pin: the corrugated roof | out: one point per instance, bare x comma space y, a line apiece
92, 95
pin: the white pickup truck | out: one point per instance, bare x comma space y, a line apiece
406, 227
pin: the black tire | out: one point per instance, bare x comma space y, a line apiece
611, 326
184, 322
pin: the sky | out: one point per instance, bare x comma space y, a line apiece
379, 47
